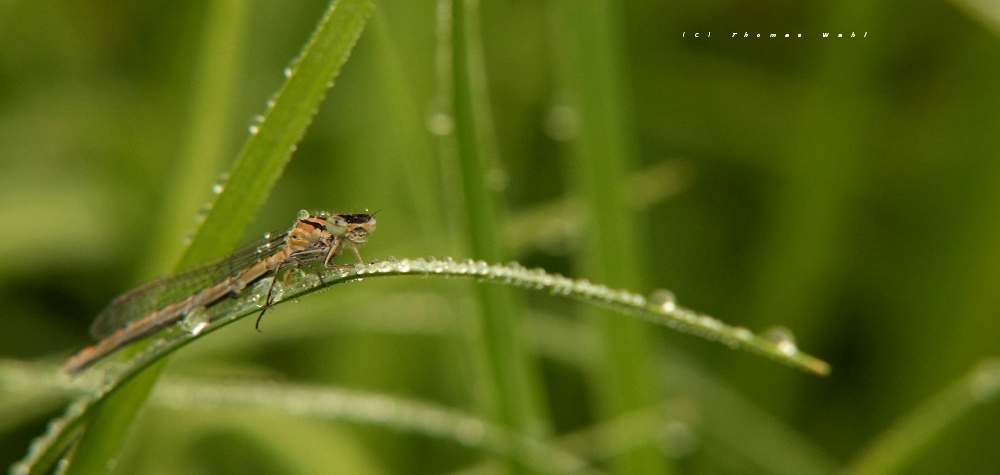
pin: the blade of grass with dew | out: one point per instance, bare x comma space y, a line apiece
199, 160
320, 402
619, 300
46, 449
601, 159
347, 405
514, 383
250, 180
273, 140
898, 446
722, 416
513, 274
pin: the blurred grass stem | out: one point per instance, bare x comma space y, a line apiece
513, 395
602, 158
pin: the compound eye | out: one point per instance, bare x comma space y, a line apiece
337, 226
371, 224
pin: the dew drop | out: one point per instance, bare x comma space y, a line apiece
288, 72
310, 280
260, 289
470, 432
678, 440
440, 124
482, 267
253, 129
277, 293
742, 333
783, 339
195, 321
562, 123
419, 264
664, 299
497, 179
709, 322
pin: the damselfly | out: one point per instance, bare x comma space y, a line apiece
155, 305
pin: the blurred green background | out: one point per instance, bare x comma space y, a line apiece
848, 189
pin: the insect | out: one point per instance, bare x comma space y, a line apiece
150, 307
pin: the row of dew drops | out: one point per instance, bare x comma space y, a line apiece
660, 303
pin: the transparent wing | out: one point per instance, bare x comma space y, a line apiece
169, 289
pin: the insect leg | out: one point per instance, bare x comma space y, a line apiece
267, 300
335, 249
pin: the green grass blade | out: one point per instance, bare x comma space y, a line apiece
320, 402
269, 149
512, 377
250, 180
898, 446
718, 417
108, 421
601, 160
226, 312
200, 159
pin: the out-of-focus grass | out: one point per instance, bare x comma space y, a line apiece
843, 189
602, 155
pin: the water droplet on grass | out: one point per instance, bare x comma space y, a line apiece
440, 124
195, 321
664, 299
783, 339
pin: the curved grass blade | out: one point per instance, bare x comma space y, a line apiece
656, 310
653, 309
372, 409
401, 414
